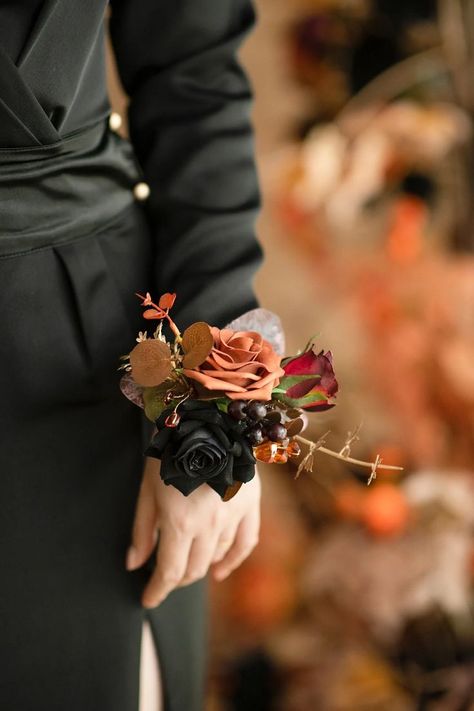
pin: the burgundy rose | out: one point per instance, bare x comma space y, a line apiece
309, 381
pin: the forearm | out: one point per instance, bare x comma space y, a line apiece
190, 124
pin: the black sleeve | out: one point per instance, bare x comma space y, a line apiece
191, 129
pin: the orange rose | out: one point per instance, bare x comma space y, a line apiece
241, 365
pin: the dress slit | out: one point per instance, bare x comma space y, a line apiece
151, 689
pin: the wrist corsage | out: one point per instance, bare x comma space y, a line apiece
221, 399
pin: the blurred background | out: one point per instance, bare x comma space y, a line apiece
360, 598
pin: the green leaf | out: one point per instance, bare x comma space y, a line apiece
313, 396
222, 403
287, 381
154, 400
154, 404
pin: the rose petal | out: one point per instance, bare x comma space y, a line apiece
303, 364
304, 388
267, 323
264, 393
211, 383
216, 361
228, 375
270, 378
319, 406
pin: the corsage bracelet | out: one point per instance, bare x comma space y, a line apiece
221, 399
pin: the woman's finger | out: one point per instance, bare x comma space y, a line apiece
171, 563
225, 541
200, 558
144, 532
245, 541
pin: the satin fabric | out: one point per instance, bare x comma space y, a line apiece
16, 20
49, 194
75, 245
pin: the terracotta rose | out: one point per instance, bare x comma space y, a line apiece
241, 365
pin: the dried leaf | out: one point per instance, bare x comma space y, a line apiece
293, 412
166, 300
273, 416
295, 426
231, 491
197, 344
151, 362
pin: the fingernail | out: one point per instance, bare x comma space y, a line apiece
132, 558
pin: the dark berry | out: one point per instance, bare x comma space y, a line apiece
236, 409
254, 435
256, 410
276, 432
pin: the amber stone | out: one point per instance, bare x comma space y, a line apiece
266, 452
293, 449
276, 452
281, 456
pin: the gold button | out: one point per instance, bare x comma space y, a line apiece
141, 191
115, 121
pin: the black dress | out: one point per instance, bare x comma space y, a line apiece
75, 244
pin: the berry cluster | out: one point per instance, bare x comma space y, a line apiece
260, 422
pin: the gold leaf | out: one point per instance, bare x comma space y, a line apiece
197, 343
151, 362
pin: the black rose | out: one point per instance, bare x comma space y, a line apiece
207, 446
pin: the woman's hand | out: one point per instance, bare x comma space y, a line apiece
195, 532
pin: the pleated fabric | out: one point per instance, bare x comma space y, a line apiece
70, 468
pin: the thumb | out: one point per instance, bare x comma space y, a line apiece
144, 532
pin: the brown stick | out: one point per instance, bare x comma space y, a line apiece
350, 460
